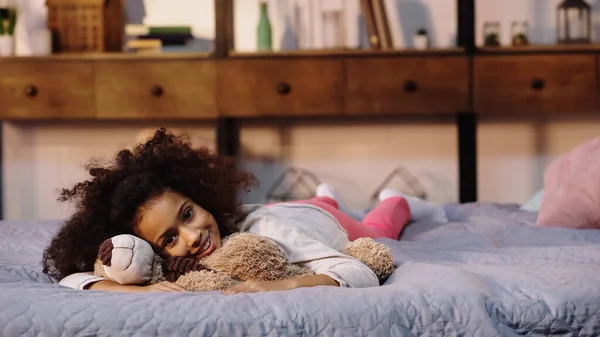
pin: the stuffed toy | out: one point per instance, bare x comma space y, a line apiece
127, 259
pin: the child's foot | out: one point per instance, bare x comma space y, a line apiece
420, 210
328, 191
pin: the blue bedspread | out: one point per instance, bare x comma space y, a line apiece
490, 274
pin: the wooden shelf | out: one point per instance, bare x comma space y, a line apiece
110, 86
109, 56
241, 55
540, 49
233, 54
346, 53
337, 53
535, 84
536, 80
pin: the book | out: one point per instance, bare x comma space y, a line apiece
143, 46
382, 23
141, 30
168, 39
370, 23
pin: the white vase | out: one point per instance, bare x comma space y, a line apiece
7, 45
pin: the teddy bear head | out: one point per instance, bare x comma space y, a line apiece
131, 260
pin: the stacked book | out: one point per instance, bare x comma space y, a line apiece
378, 29
157, 39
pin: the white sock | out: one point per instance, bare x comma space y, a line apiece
326, 190
420, 209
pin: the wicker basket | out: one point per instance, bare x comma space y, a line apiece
86, 25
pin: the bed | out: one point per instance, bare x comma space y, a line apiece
488, 272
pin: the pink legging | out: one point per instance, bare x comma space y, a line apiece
386, 220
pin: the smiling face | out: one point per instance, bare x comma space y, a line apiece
176, 226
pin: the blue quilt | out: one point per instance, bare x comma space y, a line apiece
489, 272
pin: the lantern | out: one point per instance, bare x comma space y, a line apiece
491, 33
574, 22
519, 32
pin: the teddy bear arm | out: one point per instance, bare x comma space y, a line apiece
246, 256
156, 274
375, 255
99, 269
298, 270
205, 280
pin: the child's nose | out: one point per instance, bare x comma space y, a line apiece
191, 237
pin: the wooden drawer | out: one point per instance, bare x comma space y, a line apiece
155, 89
528, 84
279, 87
46, 89
407, 85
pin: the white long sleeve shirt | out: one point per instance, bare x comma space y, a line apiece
307, 234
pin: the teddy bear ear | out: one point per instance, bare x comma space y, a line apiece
122, 253
124, 241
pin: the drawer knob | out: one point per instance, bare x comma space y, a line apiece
31, 90
283, 88
538, 84
157, 91
410, 86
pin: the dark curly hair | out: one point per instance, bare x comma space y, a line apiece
108, 203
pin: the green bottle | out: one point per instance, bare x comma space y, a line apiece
264, 29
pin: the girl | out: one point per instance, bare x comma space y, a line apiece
182, 201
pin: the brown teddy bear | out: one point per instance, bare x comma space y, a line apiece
127, 259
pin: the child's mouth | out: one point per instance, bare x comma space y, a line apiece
206, 247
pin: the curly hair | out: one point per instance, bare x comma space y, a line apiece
108, 204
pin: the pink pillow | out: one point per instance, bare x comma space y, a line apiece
571, 196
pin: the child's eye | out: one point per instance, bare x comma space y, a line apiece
169, 240
187, 214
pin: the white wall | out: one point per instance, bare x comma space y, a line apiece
42, 157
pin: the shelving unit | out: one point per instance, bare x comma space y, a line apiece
229, 87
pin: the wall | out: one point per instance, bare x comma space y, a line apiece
40, 158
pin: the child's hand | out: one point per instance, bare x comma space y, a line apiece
106, 285
258, 286
162, 287
299, 282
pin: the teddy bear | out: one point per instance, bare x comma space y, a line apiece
127, 259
